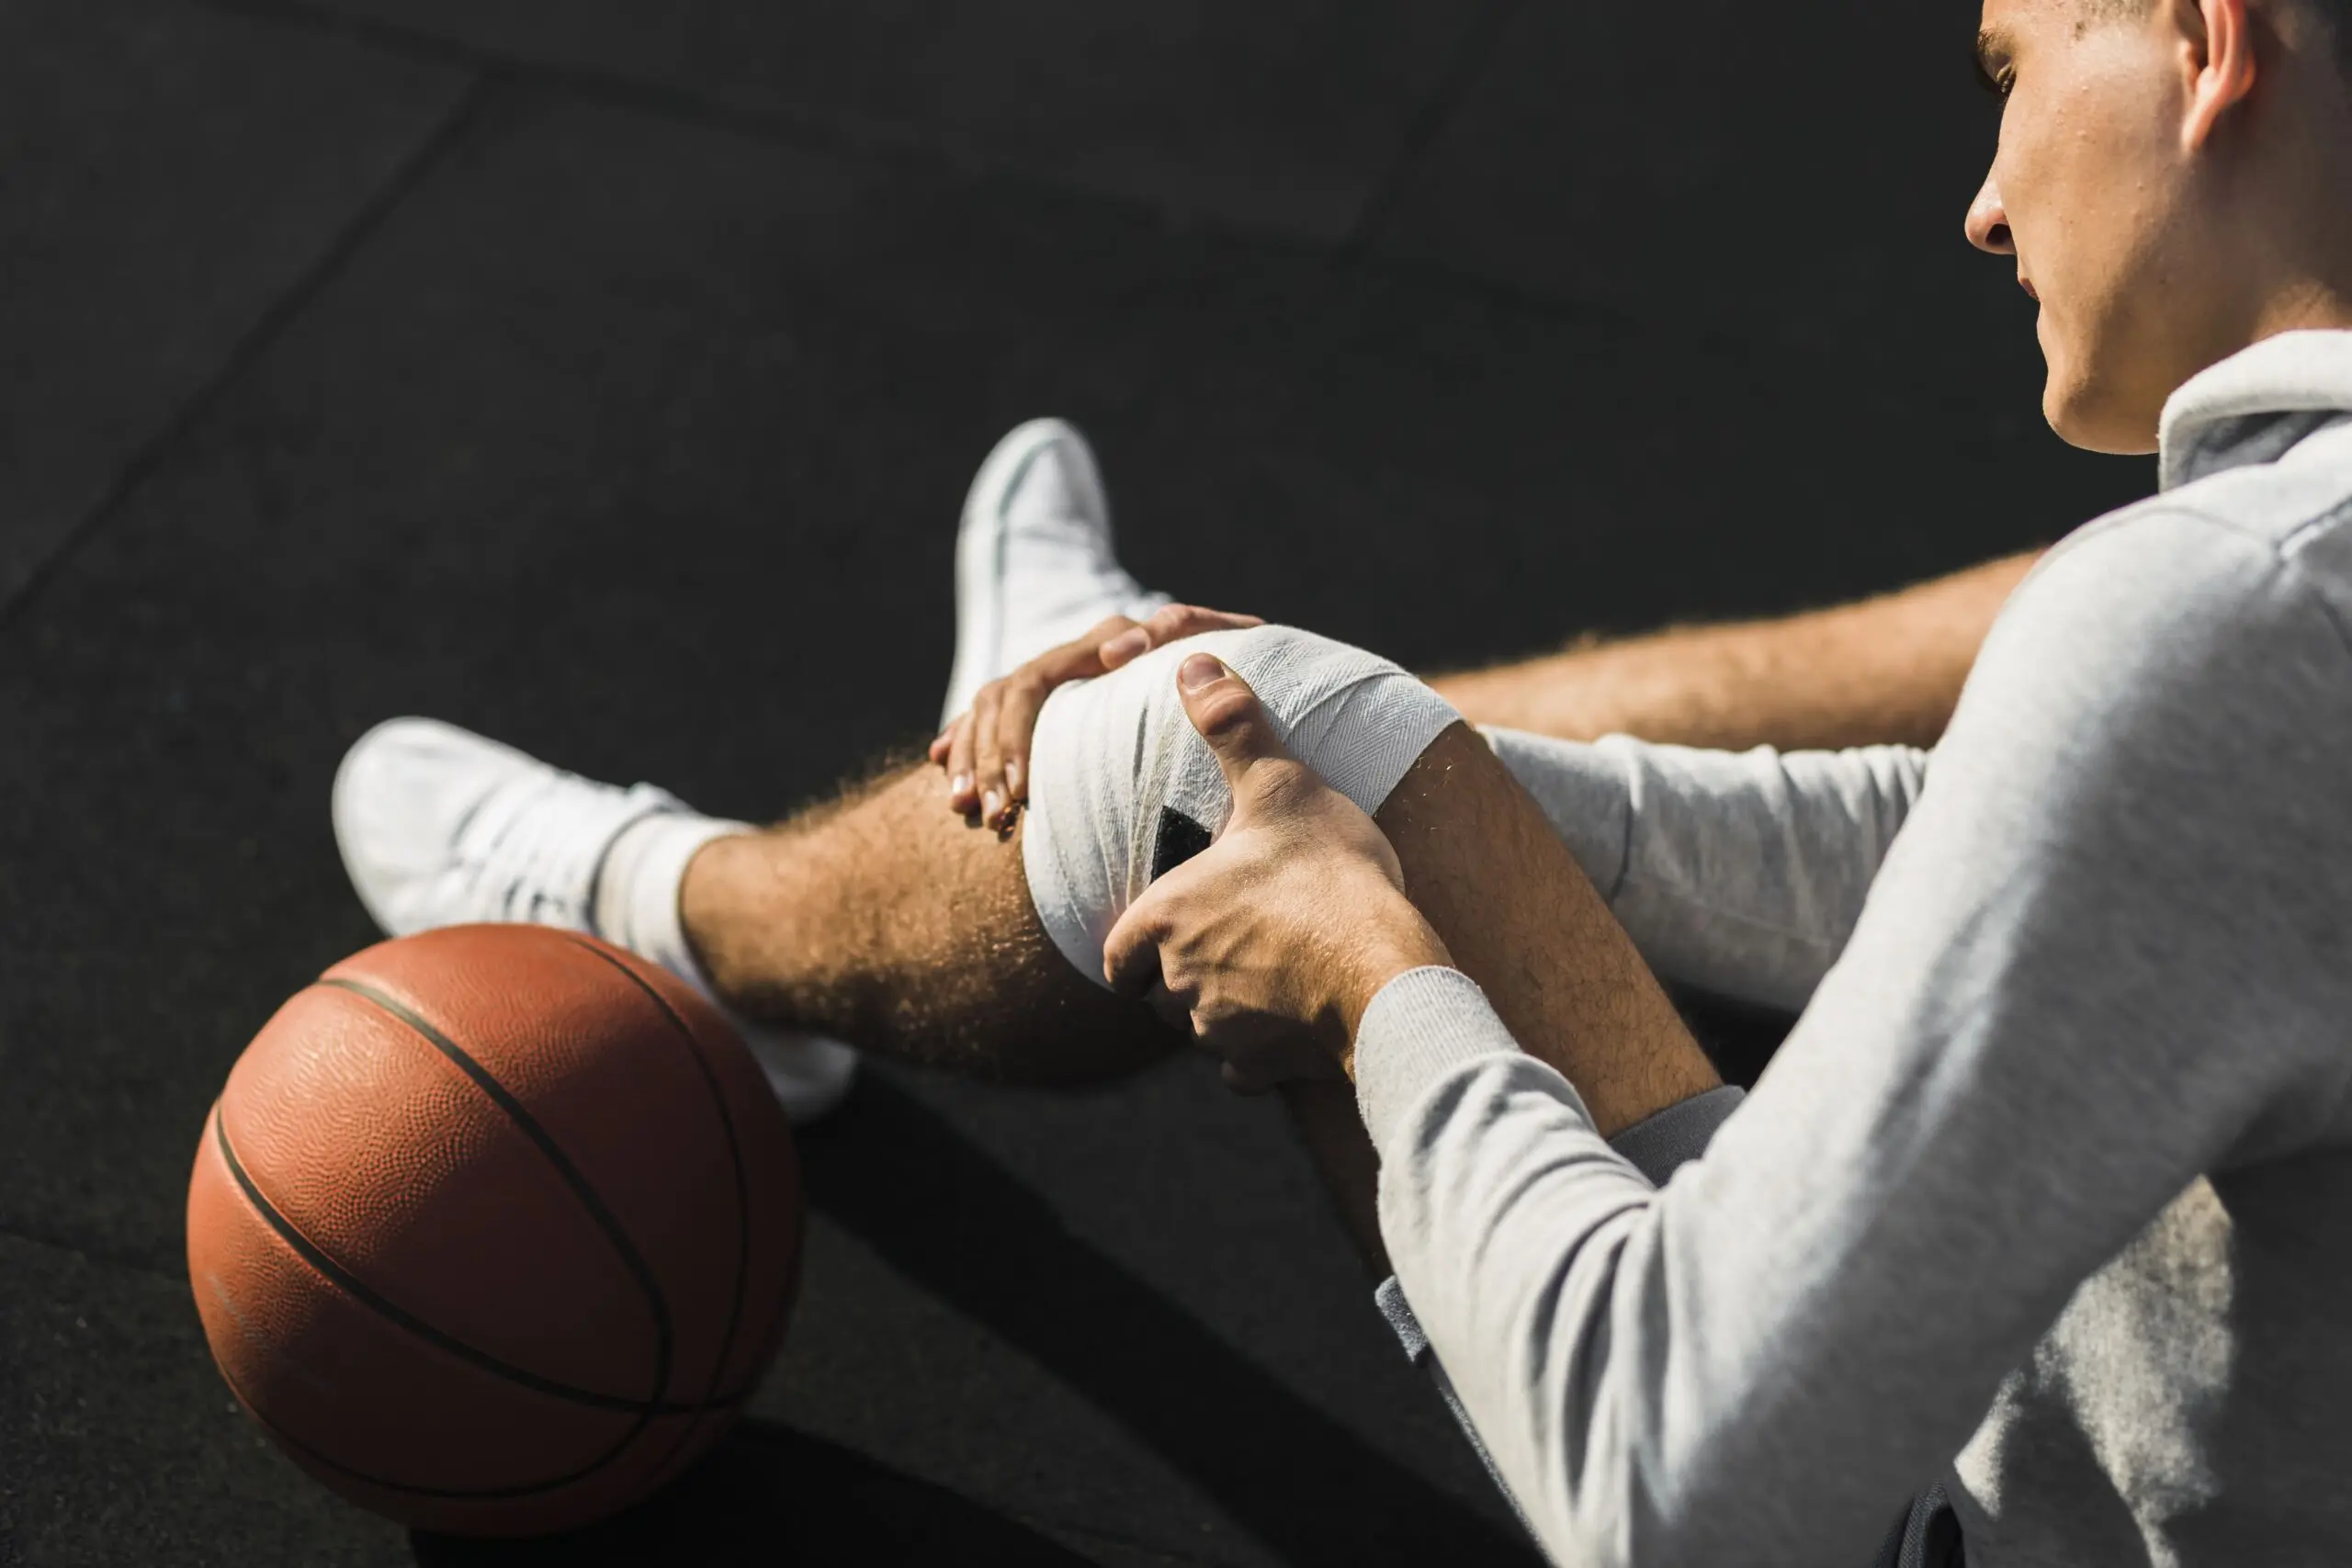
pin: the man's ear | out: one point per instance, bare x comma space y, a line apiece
2217, 51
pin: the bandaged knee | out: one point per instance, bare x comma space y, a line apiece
1124, 790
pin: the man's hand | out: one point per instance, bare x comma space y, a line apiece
1272, 941
985, 752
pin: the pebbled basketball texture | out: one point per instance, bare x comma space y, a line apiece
495, 1228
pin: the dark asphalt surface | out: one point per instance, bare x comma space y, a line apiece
606, 377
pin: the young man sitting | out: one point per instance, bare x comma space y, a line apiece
2036, 1216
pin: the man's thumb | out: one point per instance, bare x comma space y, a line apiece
1230, 718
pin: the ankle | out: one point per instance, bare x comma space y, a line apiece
713, 916
640, 884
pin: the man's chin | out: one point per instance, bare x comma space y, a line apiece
2086, 415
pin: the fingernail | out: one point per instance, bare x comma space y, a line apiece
960, 784
1126, 644
991, 804
1198, 671
1013, 779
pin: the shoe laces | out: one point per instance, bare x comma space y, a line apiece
530, 850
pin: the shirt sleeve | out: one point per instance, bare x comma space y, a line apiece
1739, 873
2106, 954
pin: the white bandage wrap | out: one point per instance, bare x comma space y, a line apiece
1123, 789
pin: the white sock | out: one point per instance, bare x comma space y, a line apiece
638, 887
1125, 789
636, 906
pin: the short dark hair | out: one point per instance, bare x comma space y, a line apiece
2335, 14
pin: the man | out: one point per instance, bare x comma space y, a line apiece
2057, 1154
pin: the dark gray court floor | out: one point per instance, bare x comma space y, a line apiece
606, 376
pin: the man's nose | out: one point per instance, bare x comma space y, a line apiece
1988, 221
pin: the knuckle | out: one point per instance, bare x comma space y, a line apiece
1228, 710
1281, 783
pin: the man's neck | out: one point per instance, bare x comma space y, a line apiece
2304, 303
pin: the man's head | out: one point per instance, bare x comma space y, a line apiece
2175, 179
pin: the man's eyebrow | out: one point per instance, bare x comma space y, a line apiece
1993, 49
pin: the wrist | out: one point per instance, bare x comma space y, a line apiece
1391, 948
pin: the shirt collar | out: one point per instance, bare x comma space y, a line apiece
2256, 404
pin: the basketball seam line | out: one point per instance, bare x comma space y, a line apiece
480, 1495
525, 1123
692, 1044
317, 1257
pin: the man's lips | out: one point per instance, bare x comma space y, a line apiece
2027, 284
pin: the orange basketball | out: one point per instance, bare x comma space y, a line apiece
495, 1228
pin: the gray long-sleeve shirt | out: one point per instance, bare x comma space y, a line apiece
2049, 1194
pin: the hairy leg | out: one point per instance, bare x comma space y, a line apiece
881, 920
884, 921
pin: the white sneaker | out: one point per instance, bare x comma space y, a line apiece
440, 826
1034, 564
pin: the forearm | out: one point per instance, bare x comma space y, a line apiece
1668, 1376
1657, 1377
1887, 669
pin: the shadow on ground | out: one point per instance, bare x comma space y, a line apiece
972, 1235
775, 1497
896, 1174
